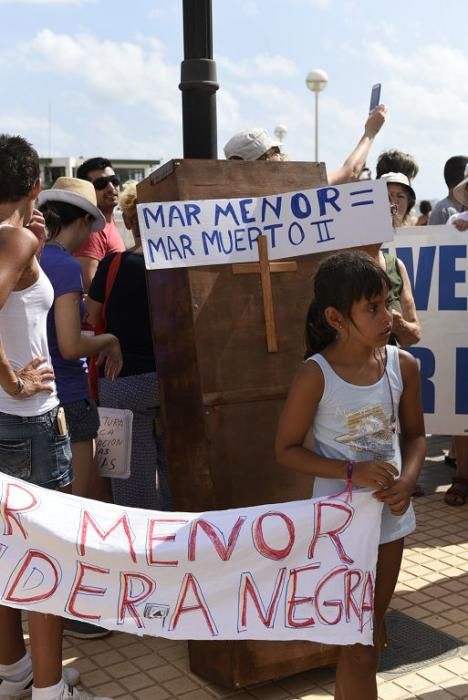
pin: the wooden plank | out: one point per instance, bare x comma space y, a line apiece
244, 469
248, 661
223, 398
250, 268
179, 377
228, 310
268, 310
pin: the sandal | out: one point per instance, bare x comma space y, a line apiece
457, 492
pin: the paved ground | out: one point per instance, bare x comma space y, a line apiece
433, 587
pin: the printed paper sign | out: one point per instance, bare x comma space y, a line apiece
217, 232
436, 260
299, 570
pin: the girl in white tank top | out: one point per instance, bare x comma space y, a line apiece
353, 416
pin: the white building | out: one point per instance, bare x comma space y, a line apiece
126, 168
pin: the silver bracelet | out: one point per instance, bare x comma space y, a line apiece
19, 387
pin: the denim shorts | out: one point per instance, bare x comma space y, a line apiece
82, 419
32, 449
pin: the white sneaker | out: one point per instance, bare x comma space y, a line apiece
15, 690
70, 675
77, 694
11, 690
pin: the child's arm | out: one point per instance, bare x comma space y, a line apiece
295, 421
413, 438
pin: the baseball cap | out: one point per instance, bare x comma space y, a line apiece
249, 144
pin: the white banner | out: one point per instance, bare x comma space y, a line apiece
436, 260
300, 570
221, 231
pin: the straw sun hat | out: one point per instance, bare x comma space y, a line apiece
398, 179
81, 193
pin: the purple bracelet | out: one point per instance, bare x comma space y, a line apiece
349, 471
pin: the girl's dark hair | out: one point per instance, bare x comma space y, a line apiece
411, 203
340, 281
59, 214
425, 207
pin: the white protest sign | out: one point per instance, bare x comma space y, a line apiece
114, 442
300, 570
217, 232
437, 264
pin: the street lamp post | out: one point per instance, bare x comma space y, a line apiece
198, 81
280, 133
317, 81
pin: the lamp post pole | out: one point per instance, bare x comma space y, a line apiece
317, 81
198, 82
280, 133
316, 126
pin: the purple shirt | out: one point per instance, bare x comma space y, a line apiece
64, 272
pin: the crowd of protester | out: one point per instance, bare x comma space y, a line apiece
73, 337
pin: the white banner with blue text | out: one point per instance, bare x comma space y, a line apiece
221, 231
437, 264
300, 570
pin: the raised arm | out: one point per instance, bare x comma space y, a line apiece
351, 168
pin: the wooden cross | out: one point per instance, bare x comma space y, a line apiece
265, 267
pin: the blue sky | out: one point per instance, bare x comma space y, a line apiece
89, 77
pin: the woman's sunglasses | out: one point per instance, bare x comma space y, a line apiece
100, 183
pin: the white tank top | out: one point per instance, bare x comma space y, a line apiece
355, 422
23, 330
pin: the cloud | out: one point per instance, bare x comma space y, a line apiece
123, 72
229, 112
426, 93
436, 65
38, 129
116, 139
122, 98
164, 12
46, 2
250, 8
261, 65
319, 4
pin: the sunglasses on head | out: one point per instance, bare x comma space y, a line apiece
100, 183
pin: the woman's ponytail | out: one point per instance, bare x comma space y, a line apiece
53, 220
59, 214
318, 334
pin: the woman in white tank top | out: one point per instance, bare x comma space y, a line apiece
353, 415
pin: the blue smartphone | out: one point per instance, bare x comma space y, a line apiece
375, 96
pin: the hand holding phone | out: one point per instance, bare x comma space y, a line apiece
375, 96
375, 121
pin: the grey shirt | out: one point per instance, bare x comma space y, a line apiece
443, 210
